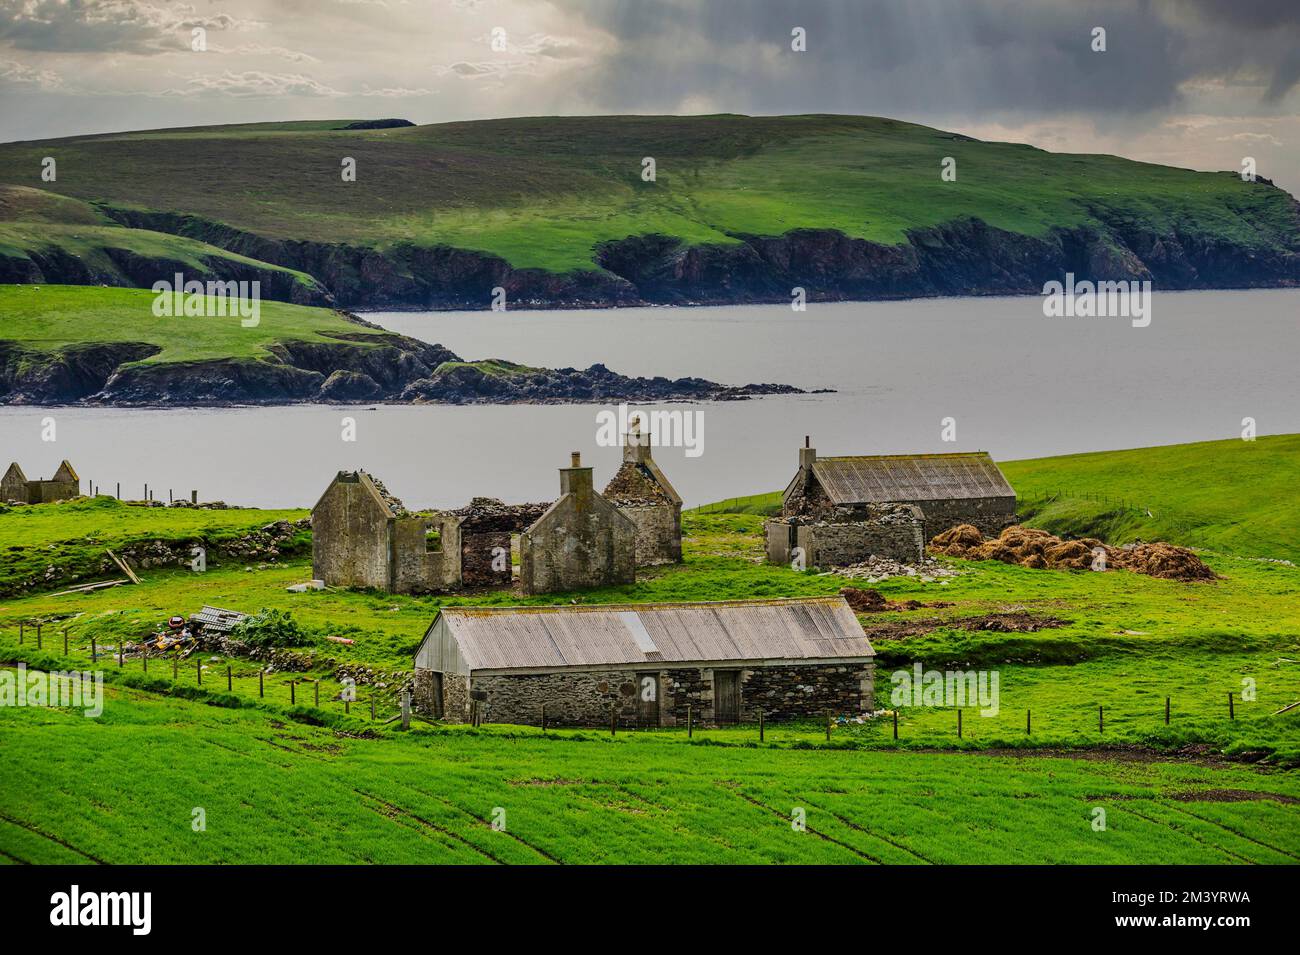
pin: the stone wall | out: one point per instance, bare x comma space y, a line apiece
476, 559
989, 514
658, 532
582, 541
417, 568
350, 538
455, 695
893, 531
585, 698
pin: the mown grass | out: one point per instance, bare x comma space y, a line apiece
543, 192
124, 789
53, 318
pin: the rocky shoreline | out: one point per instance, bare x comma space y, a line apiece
352, 369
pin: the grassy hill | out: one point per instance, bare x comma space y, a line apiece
1234, 496
549, 193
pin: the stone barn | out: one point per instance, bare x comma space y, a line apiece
364, 537
644, 494
15, 486
581, 541
949, 489
644, 664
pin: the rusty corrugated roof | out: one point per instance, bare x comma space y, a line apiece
503, 638
876, 479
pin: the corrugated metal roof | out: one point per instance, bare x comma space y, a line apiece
910, 477
503, 638
216, 619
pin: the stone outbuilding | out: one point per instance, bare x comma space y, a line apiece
644, 664
581, 541
364, 537
15, 486
645, 495
947, 489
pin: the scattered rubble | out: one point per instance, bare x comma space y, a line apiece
875, 569
1030, 547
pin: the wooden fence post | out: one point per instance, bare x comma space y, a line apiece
198, 672
65, 641
261, 683
38, 637
94, 651
144, 660
689, 725
828, 726
1166, 711
613, 719
406, 709
959, 723
121, 653
21, 633
895, 723
1232, 714
1028, 722
372, 705
293, 692
229, 679
760, 725
543, 717
1101, 720
317, 692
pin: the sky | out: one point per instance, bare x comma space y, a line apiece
1195, 83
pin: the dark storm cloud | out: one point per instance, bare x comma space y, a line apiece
938, 56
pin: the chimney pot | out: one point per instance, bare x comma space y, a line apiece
575, 459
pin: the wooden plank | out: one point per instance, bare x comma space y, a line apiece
122, 564
87, 588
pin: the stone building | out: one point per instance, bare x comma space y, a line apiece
489, 534
644, 494
15, 486
644, 664
949, 489
581, 541
364, 537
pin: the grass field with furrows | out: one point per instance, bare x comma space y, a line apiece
269, 760
543, 192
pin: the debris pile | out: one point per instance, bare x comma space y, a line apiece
875, 569
865, 600
1030, 547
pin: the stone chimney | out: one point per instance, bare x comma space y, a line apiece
807, 454
575, 479
636, 444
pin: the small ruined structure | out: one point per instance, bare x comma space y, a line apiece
645, 664
846, 509
644, 494
581, 541
15, 487
364, 537
488, 532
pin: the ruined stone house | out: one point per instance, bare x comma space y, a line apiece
364, 537
842, 510
645, 495
15, 486
645, 664
581, 541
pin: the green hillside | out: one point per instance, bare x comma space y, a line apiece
1235, 496
543, 192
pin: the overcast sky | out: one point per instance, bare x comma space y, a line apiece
1197, 83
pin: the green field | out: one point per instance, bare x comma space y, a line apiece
1203, 788
543, 192
55, 318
